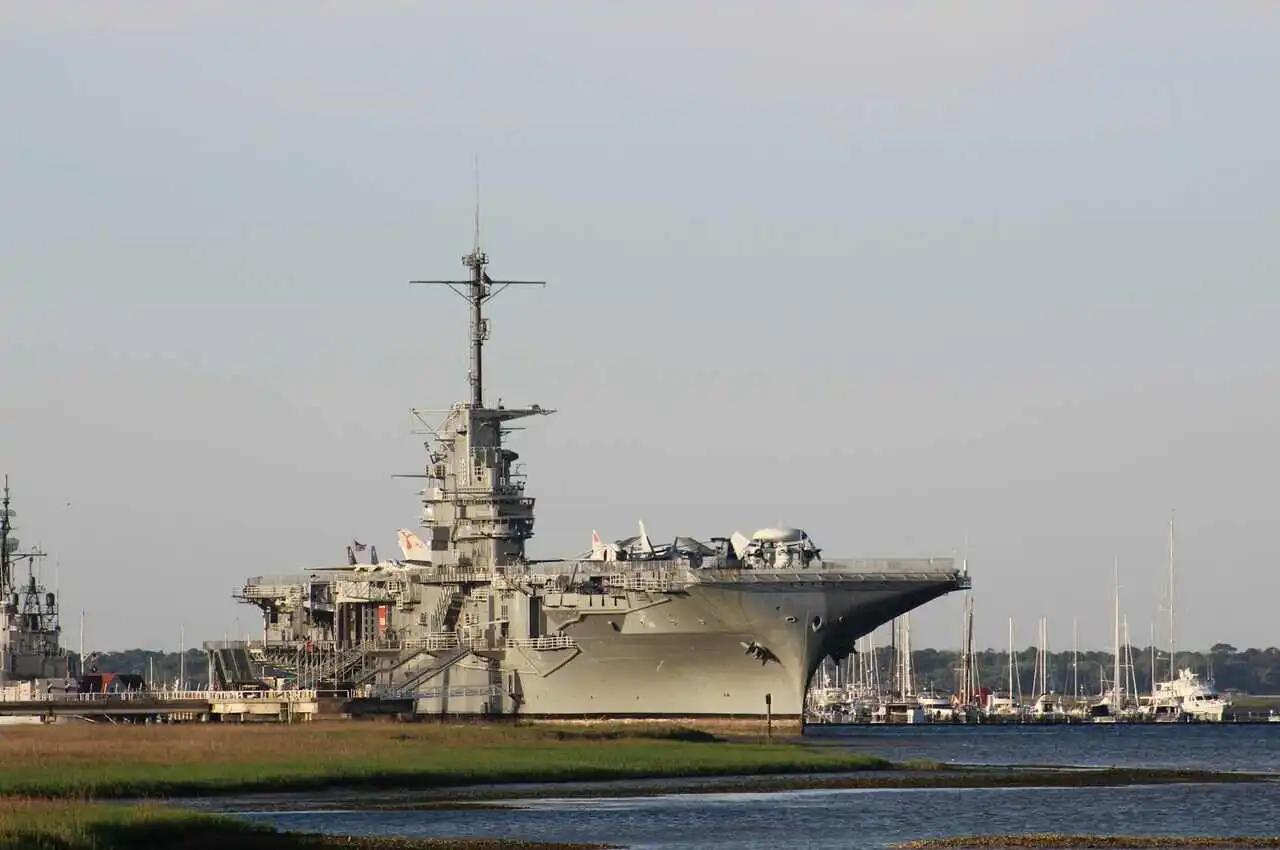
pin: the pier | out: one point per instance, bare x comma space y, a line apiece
287, 706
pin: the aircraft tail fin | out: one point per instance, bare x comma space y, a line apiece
645, 546
412, 546
601, 552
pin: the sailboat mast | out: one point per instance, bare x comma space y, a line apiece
973, 668
908, 672
1010, 659
1115, 681
895, 687
1131, 682
1173, 667
968, 673
1075, 660
1153, 660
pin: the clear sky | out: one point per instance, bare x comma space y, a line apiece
893, 272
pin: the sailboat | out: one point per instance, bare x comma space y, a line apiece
1184, 695
967, 709
1047, 707
1109, 708
1004, 705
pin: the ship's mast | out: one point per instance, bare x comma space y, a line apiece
5, 562
478, 290
477, 511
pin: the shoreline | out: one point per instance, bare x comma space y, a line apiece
108, 788
896, 777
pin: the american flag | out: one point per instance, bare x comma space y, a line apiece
357, 545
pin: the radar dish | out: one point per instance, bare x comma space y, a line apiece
779, 535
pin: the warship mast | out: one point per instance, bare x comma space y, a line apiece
6, 548
30, 645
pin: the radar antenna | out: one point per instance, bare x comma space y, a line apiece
477, 291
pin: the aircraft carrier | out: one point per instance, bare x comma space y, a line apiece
467, 623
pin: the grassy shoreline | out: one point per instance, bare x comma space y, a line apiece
69, 825
187, 761
54, 780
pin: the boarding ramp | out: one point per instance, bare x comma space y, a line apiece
233, 669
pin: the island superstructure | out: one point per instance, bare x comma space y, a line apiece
467, 623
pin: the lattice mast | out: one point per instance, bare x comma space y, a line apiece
6, 548
477, 291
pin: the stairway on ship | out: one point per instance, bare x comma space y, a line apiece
233, 668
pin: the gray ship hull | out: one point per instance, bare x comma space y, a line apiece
713, 649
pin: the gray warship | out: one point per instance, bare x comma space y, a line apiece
31, 649
467, 623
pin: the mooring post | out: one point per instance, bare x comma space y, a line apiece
768, 717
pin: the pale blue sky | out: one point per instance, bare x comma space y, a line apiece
884, 270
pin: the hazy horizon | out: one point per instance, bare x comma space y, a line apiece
899, 274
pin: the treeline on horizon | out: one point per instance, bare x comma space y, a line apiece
1253, 671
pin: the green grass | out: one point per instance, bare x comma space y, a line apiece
64, 825
100, 763
1259, 704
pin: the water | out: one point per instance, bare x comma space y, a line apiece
826, 820
821, 819
1243, 747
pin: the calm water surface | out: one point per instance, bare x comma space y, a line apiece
1251, 747
822, 819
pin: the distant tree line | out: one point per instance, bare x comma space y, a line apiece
1253, 671
164, 668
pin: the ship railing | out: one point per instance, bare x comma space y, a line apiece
457, 575
915, 566
232, 644
859, 569
349, 590
826, 577
440, 640
268, 591
438, 691
282, 579
165, 695
553, 641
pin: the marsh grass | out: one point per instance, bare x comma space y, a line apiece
66, 825
188, 760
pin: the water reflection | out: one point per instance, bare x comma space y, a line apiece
822, 819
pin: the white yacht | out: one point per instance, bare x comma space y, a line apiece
936, 706
1049, 708
1190, 695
